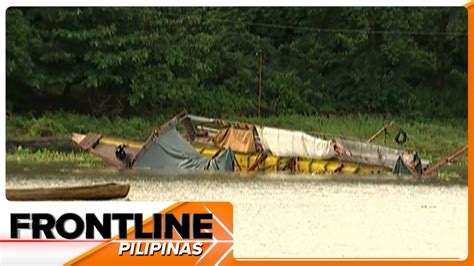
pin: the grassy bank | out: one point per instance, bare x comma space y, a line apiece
47, 156
432, 139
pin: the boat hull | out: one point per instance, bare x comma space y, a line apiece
94, 192
249, 163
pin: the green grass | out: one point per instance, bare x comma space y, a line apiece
432, 139
46, 156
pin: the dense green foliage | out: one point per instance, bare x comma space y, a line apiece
147, 61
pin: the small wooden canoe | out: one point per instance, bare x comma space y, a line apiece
94, 192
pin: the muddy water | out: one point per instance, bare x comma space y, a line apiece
299, 216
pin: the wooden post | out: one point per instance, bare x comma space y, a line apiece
260, 82
389, 125
452, 157
260, 158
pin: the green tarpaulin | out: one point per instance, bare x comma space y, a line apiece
170, 152
402, 169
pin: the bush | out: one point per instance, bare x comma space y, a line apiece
45, 127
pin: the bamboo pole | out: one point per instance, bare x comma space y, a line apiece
389, 125
452, 157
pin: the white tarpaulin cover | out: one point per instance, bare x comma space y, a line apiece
286, 143
368, 153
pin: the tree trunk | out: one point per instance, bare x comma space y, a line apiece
440, 54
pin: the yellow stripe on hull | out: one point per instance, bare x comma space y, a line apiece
273, 164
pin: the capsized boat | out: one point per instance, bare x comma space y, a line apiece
193, 143
165, 151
